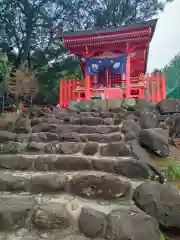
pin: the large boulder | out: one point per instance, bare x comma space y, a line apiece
161, 201
51, 120
131, 125
129, 222
62, 148
51, 216
70, 148
134, 169
51, 182
12, 147
35, 147
72, 137
15, 211
52, 147
116, 149
13, 183
99, 185
23, 125
148, 120
62, 163
169, 106
16, 162
44, 127
106, 114
142, 154
90, 148
91, 222
155, 140
43, 137
91, 121
173, 122
6, 136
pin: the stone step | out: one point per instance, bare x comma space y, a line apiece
62, 137
75, 137
119, 148
125, 166
63, 128
90, 121
88, 184
25, 234
64, 216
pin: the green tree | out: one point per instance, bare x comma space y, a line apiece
5, 70
30, 24
105, 13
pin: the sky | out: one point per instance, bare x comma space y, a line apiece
166, 40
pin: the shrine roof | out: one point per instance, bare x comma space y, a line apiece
136, 26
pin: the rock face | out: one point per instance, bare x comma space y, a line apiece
14, 212
51, 217
129, 125
102, 185
148, 120
116, 149
91, 222
131, 223
90, 148
161, 201
154, 141
169, 106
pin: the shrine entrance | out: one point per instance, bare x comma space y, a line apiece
113, 62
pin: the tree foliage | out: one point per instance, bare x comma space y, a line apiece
5, 67
29, 29
22, 83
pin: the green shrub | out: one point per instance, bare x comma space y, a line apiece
173, 171
162, 236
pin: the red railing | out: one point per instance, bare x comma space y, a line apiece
151, 86
155, 89
70, 90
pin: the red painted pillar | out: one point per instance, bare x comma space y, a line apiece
128, 75
87, 88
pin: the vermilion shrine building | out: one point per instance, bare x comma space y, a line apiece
113, 61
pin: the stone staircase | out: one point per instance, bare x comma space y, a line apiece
72, 177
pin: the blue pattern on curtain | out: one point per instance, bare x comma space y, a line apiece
96, 65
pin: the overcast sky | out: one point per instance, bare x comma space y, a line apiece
166, 41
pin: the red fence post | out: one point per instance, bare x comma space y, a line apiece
73, 89
128, 76
148, 95
61, 92
69, 93
87, 88
158, 87
153, 97
163, 85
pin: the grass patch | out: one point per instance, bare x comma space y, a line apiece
173, 171
162, 236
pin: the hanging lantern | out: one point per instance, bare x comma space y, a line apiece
86, 48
